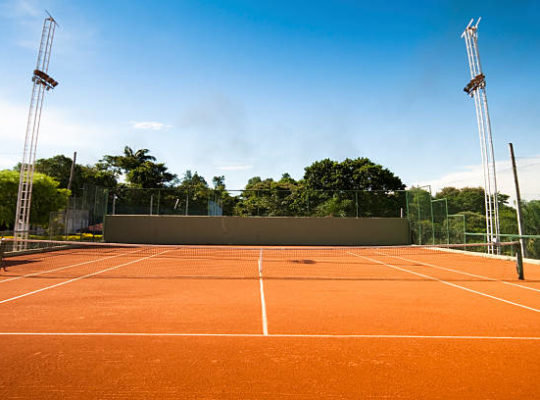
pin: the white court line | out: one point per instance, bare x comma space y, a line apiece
263, 302
449, 283
273, 335
80, 277
65, 267
462, 272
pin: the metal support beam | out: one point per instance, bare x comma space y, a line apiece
42, 82
476, 88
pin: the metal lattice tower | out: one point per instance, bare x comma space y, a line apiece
42, 82
476, 88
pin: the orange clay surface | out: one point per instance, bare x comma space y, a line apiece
165, 324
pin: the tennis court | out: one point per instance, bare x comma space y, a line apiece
216, 322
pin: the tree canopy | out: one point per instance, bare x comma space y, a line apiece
353, 187
59, 168
350, 174
46, 197
139, 167
128, 161
467, 199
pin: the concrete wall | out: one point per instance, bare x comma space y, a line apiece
256, 230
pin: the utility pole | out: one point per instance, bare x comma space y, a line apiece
42, 82
72, 171
476, 89
518, 202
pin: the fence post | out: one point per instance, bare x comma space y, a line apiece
356, 200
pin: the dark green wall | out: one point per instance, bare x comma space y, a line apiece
256, 230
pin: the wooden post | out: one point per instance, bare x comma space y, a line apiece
518, 202
72, 171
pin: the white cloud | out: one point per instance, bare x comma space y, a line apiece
150, 125
528, 172
59, 134
21, 9
238, 167
8, 161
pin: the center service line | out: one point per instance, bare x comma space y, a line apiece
263, 302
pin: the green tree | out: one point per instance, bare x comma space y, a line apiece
139, 167
468, 199
334, 207
285, 197
193, 180
475, 222
531, 225
9, 183
221, 196
195, 193
59, 168
359, 186
46, 198
531, 217
96, 176
418, 205
128, 161
149, 175
465, 199
219, 182
350, 174
508, 220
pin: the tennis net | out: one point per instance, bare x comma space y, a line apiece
60, 260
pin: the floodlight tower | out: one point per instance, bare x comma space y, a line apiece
476, 88
42, 82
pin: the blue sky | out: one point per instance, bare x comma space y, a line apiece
251, 88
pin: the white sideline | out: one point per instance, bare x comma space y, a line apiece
263, 302
448, 283
462, 272
64, 267
80, 277
273, 335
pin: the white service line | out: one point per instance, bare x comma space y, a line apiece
263, 302
65, 267
448, 283
273, 335
462, 272
80, 277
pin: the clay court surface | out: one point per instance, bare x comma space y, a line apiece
252, 323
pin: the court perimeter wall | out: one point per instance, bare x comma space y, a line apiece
255, 230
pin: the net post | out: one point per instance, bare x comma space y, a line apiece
2, 249
519, 262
